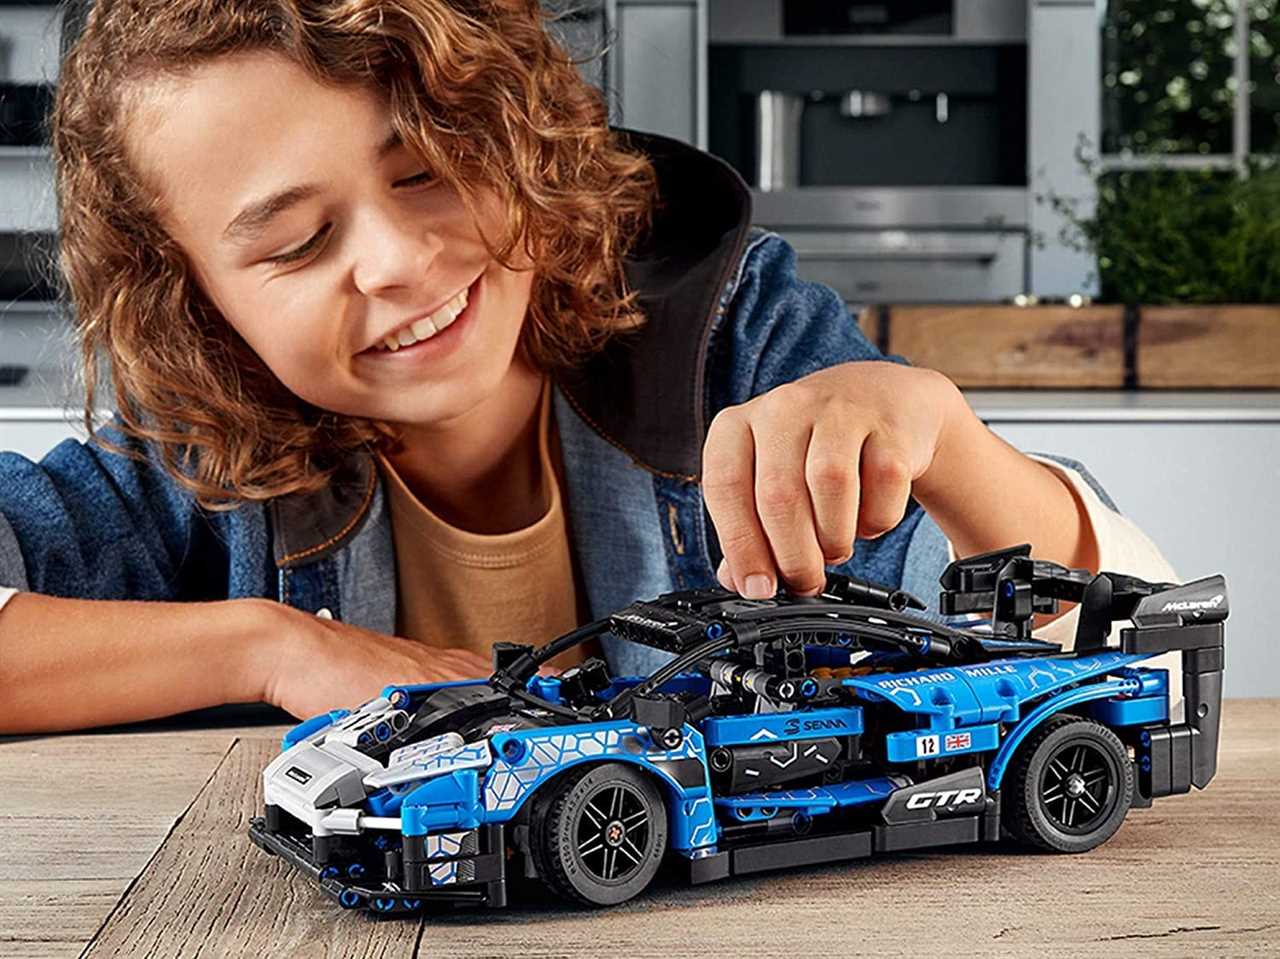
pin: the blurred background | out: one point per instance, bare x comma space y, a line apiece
1071, 207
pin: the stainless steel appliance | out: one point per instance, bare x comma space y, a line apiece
887, 141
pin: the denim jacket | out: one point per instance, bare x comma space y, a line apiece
728, 319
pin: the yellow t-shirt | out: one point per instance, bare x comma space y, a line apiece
463, 589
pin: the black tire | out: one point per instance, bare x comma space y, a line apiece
598, 833
1070, 786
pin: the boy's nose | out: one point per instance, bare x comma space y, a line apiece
392, 256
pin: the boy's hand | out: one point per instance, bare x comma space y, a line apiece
792, 476
322, 664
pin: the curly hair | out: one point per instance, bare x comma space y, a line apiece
477, 88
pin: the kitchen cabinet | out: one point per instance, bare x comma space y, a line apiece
37, 432
40, 410
1064, 91
26, 190
661, 67
29, 43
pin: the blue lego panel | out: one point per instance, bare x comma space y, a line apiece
910, 745
987, 692
1054, 704
770, 727
528, 758
1128, 712
450, 801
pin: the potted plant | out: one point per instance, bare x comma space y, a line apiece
1195, 256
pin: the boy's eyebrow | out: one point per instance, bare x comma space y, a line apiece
251, 222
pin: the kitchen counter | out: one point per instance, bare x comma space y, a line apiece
132, 842
35, 336
1152, 406
48, 391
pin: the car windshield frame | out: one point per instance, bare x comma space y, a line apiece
513, 678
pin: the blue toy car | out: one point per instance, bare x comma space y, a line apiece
777, 733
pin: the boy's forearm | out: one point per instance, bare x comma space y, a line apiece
71, 664
986, 495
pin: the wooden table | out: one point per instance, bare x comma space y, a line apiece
132, 843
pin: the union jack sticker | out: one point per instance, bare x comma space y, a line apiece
957, 741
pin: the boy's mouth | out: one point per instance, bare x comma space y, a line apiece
425, 328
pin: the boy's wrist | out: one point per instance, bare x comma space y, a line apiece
984, 494
960, 444
260, 630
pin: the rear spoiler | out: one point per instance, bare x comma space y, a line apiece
1012, 587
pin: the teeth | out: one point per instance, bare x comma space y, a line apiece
426, 328
450, 311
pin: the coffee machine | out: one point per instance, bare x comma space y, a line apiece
888, 141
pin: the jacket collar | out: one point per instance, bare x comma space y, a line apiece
644, 391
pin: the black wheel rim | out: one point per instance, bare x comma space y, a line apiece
612, 835
1078, 787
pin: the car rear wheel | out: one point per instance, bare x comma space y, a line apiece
598, 833
1071, 786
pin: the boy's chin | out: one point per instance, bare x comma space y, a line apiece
421, 416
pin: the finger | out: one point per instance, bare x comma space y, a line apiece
782, 499
831, 473
723, 575
728, 468
886, 487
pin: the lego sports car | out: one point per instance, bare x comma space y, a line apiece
774, 733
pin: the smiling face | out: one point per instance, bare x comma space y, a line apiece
319, 238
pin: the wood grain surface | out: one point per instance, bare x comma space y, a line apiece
135, 845
1174, 347
1207, 346
989, 345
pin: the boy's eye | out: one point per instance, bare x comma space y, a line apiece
415, 180
299, 252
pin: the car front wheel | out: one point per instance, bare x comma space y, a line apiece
598, 833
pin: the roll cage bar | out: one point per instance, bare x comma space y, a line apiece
699, 624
